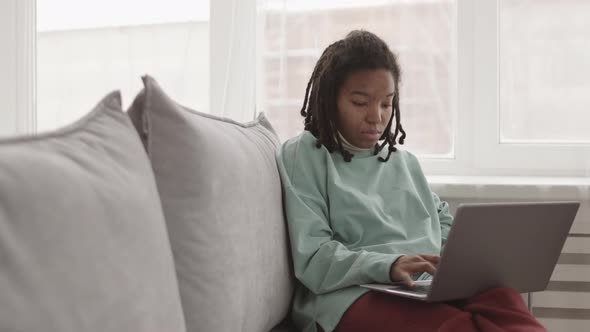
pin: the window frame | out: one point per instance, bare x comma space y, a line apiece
478, 148
547, 159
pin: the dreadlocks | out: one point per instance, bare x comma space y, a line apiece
359, 50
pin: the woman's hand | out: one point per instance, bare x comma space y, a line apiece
403, 268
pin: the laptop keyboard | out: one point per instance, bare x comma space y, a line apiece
419, 289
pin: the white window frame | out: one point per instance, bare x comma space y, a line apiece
478, 150
569, 159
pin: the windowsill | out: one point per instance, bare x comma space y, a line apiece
509, 180
511, 187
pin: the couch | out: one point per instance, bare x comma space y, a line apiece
158, 219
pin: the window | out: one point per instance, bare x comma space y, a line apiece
421, 33
544, 71
490, 87
109, 45
528, 78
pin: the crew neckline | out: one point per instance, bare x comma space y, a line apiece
349, 146
355, 150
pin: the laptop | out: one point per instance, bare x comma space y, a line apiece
492, 245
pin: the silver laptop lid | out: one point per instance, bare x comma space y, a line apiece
502, 245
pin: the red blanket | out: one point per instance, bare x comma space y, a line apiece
499, 309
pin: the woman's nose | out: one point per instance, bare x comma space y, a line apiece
374, 114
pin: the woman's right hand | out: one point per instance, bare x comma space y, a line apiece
403, 268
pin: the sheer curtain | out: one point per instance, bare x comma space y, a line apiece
233, 59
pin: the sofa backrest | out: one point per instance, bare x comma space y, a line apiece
221, 195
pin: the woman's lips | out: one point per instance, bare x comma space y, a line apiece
373, 135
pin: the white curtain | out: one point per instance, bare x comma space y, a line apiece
233, 59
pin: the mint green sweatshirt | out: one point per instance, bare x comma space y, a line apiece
349, 221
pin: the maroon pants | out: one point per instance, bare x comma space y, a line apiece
499, 309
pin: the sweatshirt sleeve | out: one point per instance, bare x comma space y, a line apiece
444, 216
442, 207
321, 263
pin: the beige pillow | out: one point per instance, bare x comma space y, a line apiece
221, 193
83, 242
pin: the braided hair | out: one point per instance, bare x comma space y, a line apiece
359, 50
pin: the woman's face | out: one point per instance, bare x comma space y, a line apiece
365, 106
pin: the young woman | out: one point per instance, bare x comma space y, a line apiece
360, 211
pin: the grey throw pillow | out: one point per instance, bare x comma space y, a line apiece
83, 242
221, 194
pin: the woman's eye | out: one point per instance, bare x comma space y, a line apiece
356, 103
386, 106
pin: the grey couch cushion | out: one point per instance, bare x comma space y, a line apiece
83, 242
221, 194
